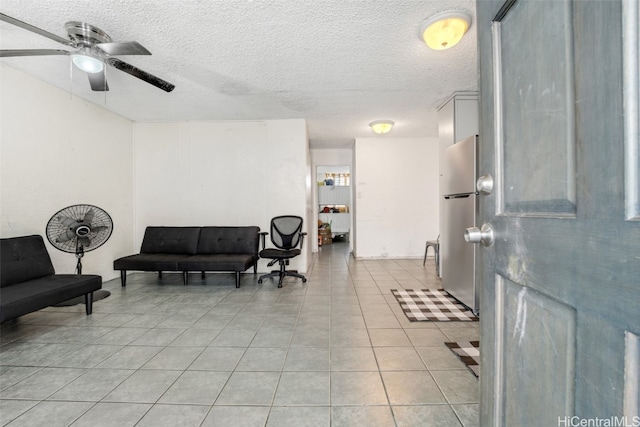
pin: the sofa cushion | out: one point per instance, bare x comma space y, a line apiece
229, 240
42, 292
170, 240
22, 259
150, 262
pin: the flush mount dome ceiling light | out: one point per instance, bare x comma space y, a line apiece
381, 126
445, 29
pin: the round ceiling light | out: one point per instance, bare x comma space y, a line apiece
87, 63
445, 29
381, 126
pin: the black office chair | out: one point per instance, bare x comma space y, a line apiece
286, 236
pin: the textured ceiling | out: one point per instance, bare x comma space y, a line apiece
339, 64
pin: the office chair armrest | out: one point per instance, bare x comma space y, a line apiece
302, 238
262, 234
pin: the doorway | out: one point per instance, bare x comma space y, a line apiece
333, 210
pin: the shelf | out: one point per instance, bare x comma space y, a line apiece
334, 195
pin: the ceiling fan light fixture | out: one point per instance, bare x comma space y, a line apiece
445, 29
88, 64
381, 126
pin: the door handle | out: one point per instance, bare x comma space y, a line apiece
483, 235
484, 185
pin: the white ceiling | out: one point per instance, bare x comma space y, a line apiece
339, 64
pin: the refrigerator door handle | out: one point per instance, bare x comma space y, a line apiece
458, 196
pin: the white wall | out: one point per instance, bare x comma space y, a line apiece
396, 196
57, 150
221, 173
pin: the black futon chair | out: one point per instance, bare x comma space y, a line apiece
286, 236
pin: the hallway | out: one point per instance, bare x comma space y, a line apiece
335, 351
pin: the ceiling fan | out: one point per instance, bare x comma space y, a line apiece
94, 49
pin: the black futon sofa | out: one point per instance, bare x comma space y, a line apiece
185, 249
28, 281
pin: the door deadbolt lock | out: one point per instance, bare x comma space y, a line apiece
484, 185
483, 235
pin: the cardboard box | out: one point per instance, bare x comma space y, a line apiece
324, 232
324, 236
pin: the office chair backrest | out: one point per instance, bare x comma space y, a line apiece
285, 231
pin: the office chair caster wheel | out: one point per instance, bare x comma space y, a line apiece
304, 280
259, 280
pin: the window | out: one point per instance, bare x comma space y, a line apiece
341, 179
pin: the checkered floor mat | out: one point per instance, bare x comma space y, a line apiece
432, 305
469, 353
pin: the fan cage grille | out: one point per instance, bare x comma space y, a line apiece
101, 227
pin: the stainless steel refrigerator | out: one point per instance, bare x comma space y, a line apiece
460, 211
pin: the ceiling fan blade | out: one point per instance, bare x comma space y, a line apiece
142, 75
123, 48
32, 52
98, 82
29, 27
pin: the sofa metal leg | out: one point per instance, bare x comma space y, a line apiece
185, 275
202, 275
88, 302
123, 278
159, 274
237, 279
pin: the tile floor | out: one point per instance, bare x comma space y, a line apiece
336, 351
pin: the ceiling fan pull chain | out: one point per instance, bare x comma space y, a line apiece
104, 73
70, 79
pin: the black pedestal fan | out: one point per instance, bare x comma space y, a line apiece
78, 229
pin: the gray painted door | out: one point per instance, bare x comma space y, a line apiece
560, 304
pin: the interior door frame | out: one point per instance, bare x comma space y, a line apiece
316, 210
